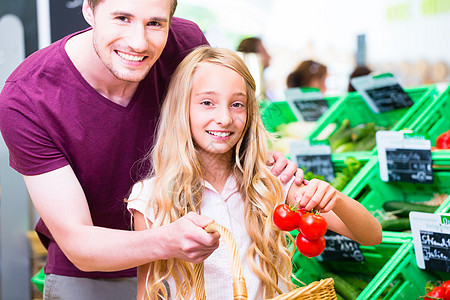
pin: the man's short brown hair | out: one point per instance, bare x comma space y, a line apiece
173, 5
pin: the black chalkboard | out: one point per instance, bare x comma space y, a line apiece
410, 165
311, 109
436, 250
339, 247
390, 97
319, 164
65, 18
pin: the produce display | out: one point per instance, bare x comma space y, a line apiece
388, 270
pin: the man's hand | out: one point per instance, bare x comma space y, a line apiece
285, 167
187, 240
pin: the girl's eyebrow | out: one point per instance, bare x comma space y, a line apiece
214, 93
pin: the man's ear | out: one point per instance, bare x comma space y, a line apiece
88, 13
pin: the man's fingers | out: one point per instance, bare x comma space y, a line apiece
199, 220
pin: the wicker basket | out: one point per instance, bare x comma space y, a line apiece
323, 289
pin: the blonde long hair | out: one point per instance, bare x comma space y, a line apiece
178, 186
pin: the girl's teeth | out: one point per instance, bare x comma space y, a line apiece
220, 134
130, 57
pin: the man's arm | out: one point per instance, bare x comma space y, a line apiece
61, 203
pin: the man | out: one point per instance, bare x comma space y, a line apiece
77, 117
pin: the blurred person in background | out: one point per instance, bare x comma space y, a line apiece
308, 73
257, 60
358, 71
255, 45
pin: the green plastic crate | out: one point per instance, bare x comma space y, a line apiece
279, 112
372, 192
400, 278
355, 108
435, 118
38, 279
375, 258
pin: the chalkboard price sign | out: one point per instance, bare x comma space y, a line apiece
431, 237
409, 165
307, 104
382, 92
390, 97
341, 248
311, 110
436, 250
318, 164
313, 156
404, 157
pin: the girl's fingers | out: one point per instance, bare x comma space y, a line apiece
329, 205
317, 198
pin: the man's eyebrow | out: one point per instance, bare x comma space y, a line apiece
121, 13
127, 14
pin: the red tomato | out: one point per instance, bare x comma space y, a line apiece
443, 141
312, 226
310, 248
437, 292
284, 218
447, 294
446, 285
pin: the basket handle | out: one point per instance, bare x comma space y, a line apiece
239, 287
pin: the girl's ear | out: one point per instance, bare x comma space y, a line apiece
88, 13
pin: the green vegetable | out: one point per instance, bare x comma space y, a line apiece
345, 147
343, 178
356, 282
346, 290
362, 130
402, 209
310, 175
341, 135
400, 224
339, 297
358, 138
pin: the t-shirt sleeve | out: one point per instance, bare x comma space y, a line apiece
31, 149
139, 196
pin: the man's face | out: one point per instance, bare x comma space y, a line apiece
129, 35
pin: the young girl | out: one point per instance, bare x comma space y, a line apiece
209, 159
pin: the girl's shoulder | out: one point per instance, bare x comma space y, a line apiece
142, 189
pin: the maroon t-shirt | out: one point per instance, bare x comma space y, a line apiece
51, 117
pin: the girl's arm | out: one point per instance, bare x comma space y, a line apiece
344, 215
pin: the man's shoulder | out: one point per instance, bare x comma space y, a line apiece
40, 61
185, 33
184, 24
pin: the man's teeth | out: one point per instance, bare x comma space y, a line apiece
220, 134
130, 57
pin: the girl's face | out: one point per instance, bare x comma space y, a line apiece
218, 108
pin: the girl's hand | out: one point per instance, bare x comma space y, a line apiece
285, 167
317, 194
